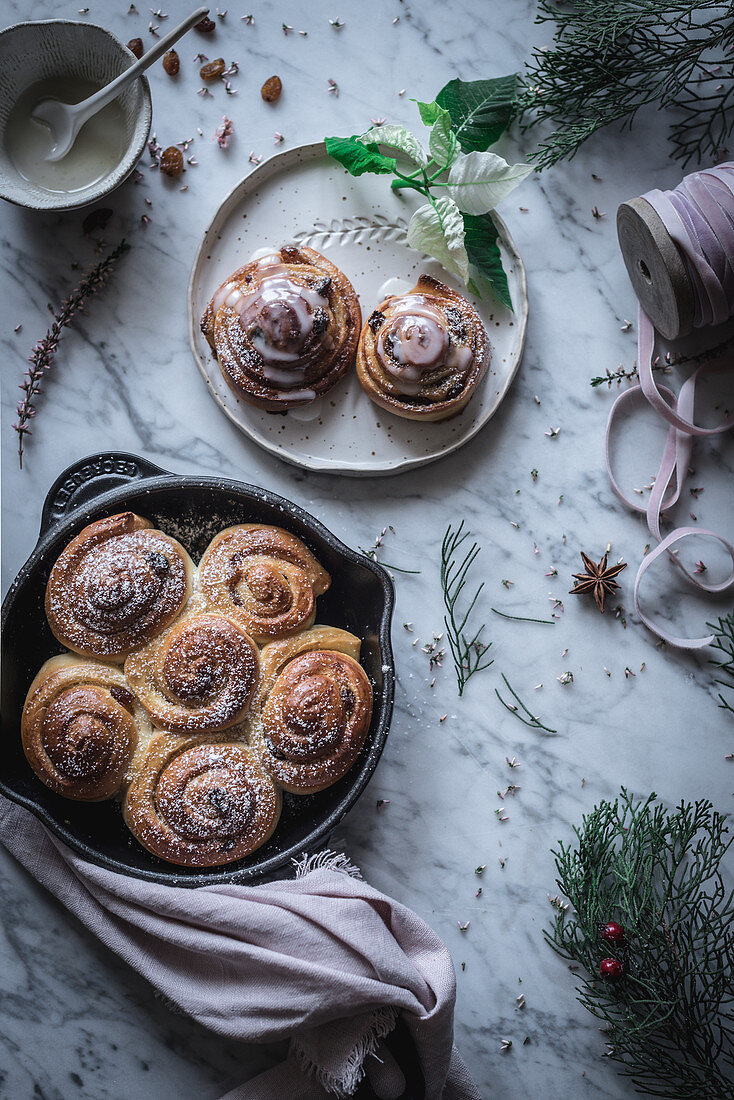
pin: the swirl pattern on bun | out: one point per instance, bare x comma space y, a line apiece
284, 328
115, 586
422, 355
199, 676
316, 709
201, 804
80, 728
266, 575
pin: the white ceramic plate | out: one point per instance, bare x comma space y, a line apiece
301, 195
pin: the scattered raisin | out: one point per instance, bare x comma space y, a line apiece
135, 45
205, 25
212, 69
376, 319
171, 63
323, 287
320, 320
96, 220
171, 163
271, 89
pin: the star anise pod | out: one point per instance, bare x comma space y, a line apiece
597, 579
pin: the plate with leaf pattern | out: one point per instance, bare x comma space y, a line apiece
302, 196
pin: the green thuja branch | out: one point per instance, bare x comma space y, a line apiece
609, 58
723, 630
669, 1017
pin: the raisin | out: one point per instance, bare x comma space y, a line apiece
271, 89
456, 322
171, 161
205, 25
323, 287
124, 697
96, 220
212, 69
171, 63
219, 800
320, 320
135, 45
158, 562
376, 320
256, 333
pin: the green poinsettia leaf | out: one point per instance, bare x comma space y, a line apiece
442, 144
429, 112
481, 110
357, 157
438, 230
480, 240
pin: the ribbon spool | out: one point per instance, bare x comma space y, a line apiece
656, 269
678, 248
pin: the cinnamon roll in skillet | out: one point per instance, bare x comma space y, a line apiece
422, 355
264, 573
284, 328
199, 676
117, 585
201, 804
81, 727
315, 710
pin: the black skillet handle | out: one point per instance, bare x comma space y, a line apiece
88, 478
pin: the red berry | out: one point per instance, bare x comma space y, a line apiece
610, 969
612, 932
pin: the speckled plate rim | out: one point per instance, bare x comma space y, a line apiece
261, 174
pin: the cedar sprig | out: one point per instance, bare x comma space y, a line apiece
518, 707
723, 630
41, 358
468, 652
609, 58
669, 1021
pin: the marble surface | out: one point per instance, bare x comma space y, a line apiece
75, 1020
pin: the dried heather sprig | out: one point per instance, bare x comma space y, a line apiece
224, 132
41, 358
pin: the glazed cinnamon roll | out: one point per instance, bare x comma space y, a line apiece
315, 717
422, 355
80, 728
267, 575
200, 804
199, 676
117, 585
284, 328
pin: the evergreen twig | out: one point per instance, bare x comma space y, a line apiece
723, 630
611, 57
41, 358
468, 652
670, 1018
531, 720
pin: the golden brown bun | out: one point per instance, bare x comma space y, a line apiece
117, 585
199, 676
81, 727
201, 804
316, 709
284, 328
266, 575
422, 355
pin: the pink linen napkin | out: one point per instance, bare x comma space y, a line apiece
322, 959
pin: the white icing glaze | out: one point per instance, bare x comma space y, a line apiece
420, 342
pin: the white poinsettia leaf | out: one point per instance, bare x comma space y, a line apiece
442, 144
479, 181
397, 137
438, 230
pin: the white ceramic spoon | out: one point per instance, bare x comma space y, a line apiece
65, 120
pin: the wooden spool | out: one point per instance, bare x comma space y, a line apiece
656, 268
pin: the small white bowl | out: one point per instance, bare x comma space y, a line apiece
32, 52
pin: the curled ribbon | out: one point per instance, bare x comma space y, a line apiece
699, 216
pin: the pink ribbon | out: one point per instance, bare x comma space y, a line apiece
699, 216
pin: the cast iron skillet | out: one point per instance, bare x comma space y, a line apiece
192, 509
